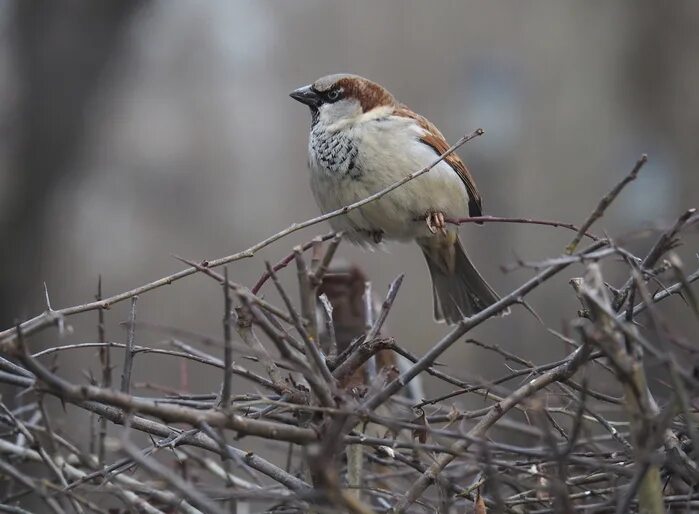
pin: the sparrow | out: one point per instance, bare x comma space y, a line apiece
363, 140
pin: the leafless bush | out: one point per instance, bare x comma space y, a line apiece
333, 395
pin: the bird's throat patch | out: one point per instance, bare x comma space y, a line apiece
334, 151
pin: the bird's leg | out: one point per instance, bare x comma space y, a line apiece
435, 222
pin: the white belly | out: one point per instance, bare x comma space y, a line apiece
388, 150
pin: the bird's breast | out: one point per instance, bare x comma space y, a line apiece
349, 165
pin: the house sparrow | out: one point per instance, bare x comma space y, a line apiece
363, 140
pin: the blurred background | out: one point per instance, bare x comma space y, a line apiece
135, 130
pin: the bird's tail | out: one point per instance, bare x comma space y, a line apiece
459, 291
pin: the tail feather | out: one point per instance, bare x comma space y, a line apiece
459, 291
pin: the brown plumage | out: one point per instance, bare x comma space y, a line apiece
363, 140
435, 140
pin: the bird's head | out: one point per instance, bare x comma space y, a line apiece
342, 97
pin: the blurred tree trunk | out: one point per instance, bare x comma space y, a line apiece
60, 50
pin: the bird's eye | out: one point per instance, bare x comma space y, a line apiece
333, 95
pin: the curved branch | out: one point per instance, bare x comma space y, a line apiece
526, 221
9, 336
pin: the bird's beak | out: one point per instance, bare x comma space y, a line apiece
306, 95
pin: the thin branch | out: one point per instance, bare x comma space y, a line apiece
9, 335
664, 243
106, 364
228, 348
320, 379
129, 352
307, 295
324, 264
462, 328
187, 490
604, 203
194, 417
526, 221
564, 371
287, 260
331, 347
371, 344
239, 290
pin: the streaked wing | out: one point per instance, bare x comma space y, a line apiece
435, 140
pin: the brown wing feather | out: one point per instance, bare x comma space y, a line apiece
435, 140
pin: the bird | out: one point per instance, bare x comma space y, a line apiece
363, 140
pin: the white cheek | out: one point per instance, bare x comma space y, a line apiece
339, 111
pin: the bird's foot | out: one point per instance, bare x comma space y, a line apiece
435, 222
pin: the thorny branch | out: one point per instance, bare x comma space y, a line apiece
51, 315
340, 400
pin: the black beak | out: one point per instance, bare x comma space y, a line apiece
307, 96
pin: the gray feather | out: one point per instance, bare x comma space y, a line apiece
458, 293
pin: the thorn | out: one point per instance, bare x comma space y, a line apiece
48, 301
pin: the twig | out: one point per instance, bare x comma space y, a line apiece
371, 345
564, 371
129, 351
34, 443
331, 347
65, 389
187, 490
385, 307
200, 440
105, 362
189, 352
239, 290
9, 335
283, 263
228, 348
640, 405
320, 379
604, 203
668, 291
662, 245
307, 295
27, 481
244, 328
322, 268
526, 221
506, 301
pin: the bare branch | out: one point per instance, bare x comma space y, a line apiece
605, 202
228, 348
129, 352
30, 326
